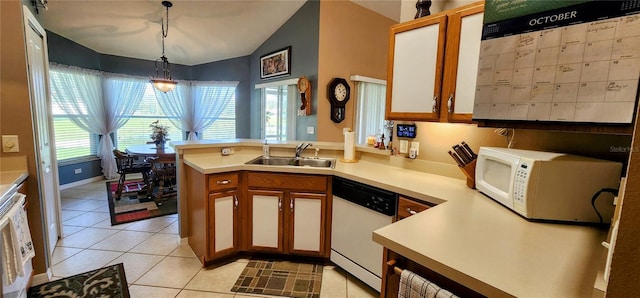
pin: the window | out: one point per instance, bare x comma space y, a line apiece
279, 112
225, 126
136, 131
71, 141
79, 103
370, 108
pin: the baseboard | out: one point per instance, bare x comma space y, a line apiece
42, 278
81, 182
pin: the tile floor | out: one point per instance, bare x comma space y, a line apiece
156, 265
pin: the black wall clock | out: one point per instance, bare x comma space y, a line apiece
338, 93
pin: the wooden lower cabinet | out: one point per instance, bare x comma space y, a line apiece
287, 213
265, 221
213, 214
307, 219
223, 224
257, 212
408, 207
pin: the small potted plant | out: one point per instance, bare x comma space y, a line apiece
159, 133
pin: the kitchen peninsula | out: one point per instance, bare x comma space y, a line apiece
468, 238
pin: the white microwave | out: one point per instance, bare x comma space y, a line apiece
549, 186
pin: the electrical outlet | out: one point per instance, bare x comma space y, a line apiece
311, 130
10, 143
417, 146
227, 151
77, 171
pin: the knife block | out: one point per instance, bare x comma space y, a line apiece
469, 170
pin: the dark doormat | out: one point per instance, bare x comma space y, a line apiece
280, 278
108, 281
135, 205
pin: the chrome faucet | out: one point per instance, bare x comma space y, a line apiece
300, 148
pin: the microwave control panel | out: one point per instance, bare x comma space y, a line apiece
520, 187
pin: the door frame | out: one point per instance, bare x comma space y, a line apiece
31, 23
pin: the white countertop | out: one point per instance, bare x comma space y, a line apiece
468, 237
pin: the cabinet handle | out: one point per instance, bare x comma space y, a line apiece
235, 202
435, 104
223, 182
279, 204
450, 103
291, 204
411, 211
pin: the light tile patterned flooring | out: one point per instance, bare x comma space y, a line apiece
156, 265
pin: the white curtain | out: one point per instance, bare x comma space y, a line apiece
194, 106
175, 104
122, 96
370, 105
96, 104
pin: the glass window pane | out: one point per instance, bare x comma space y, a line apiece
71, 140
370, 107
137, 131
225, 126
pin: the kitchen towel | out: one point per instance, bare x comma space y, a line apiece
414, 286
18, 248
349, 146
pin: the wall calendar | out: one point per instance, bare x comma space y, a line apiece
546, 62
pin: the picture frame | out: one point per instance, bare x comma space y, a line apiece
275, 64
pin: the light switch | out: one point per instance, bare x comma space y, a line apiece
310, 130
10, 143
404, 146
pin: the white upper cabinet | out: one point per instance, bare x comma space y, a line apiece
433, 65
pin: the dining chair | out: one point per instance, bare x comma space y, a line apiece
163, 169
129, 164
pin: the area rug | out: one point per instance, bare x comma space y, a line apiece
109, 281
134, 204
280, 278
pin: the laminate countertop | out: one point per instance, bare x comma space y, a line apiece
13, 171
468, 237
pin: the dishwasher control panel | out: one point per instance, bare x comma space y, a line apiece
374, 198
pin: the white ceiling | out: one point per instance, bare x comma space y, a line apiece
200, 31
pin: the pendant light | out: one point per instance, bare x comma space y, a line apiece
164, 83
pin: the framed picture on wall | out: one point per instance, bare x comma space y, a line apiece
276, 63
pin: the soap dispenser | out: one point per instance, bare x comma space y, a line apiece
265, 149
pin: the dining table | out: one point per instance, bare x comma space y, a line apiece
150, 150
163, 171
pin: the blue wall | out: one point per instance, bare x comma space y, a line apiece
89, 169
236, 69
301, 32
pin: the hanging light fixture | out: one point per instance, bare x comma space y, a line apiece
164, 83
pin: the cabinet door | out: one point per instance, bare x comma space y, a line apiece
307, 223
464, 33
414, 75
223, 214
265, 228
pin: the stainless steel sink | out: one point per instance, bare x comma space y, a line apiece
292, 161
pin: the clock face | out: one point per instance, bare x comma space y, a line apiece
303, 84
340, 92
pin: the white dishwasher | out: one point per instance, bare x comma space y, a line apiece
358, 210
